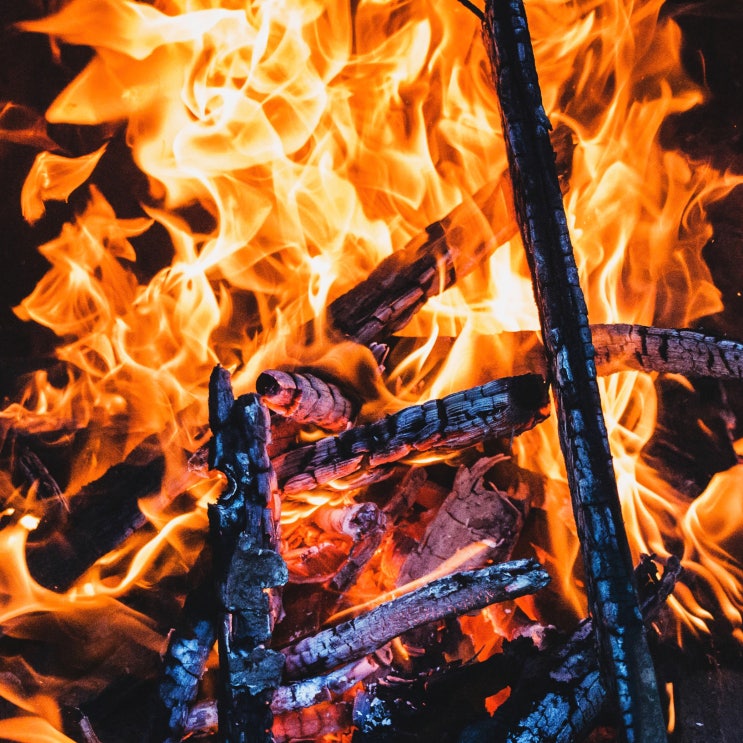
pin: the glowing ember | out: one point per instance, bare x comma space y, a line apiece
288, 147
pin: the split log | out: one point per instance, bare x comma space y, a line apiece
38, 477
430, 263
505, 407
623, 650
450, 596
246, 563
306, 398
474, 511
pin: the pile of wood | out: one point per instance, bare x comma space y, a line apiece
297, 657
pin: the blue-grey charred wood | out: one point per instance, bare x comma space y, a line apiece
246, 564
185, 659
504, 407
624, 654
446, 597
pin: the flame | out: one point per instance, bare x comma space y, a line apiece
287, 148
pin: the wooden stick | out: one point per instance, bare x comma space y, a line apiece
504, 407
306, 398
185, 659
246, 563
447, 597
623, 650
560, 695
430, 263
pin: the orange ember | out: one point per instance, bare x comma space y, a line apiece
283, 148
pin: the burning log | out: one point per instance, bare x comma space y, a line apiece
446, 597
100, 517
366, 524
473, 512
293, 697
430, 263
246, 562
561, 699
556, 692
186, 655
305, 398
667, 350
503, 407
624, 656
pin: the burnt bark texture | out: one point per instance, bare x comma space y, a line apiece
99, 518
246, 563
623, 650
504, 407
446, 597
559, 695
306, 398
668, 350
430, 263
185, 658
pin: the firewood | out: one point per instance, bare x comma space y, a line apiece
556, 685
306, 398
667, 350
623, 650
449, 596
504, 407
473, 512
560, 694
430, 263
309, 723
101, 516
246, 563
185, 659
38, 477
296, 696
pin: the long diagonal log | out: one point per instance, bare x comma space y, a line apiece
446, 597
503, 407
430, 263
246, 563
623, 650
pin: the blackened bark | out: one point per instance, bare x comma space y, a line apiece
623, 650
246, 563
446, 597
185, 659
430, 263
504, 407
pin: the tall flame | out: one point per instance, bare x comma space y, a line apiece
288, 147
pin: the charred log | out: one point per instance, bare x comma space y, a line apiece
430, 263
306, 398
246, 563
501, 408
446, 597
623, 650
185, 659
561, 695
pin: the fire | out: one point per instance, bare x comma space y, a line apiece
287, 148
